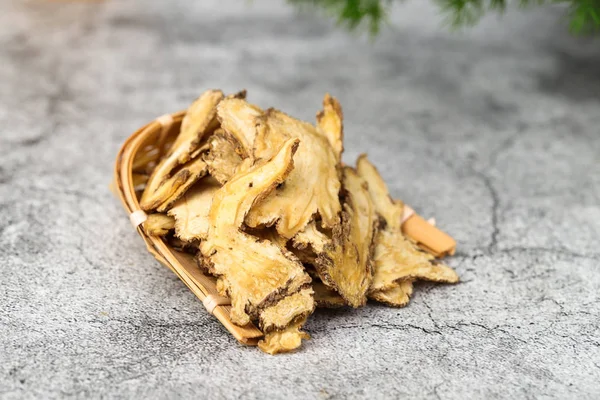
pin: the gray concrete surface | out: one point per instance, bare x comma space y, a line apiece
494, 131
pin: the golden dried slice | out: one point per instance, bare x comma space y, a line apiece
398, 296
285, 340
311, 237
388, 208
330, 122
255, 274
238, 118
269, 234
174, 187
296, 306
312, 187
346, 264
398, 259
158, 224
199, 120
326, 297
309, 243
191, 211
223, 157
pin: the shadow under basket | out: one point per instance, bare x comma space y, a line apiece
135, 161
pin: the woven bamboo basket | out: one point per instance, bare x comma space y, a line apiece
135, 161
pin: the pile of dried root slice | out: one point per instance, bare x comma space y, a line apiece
265, 203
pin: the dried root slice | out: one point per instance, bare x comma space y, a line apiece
238, 118
398, 259
174, 187
330, 122
270, 235
346, 264
158, 224
311, 237
312, 187
326, 297
309, 243
398, 296
285, 340
255, 274
191, 211
198, 121
389, 209
288, 309
223, 157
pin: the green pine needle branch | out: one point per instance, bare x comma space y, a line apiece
584, 15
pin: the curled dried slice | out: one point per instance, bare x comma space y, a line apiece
397, 296
312, 187
389, 209
285, 340
255, 274
199, 120
158, 224
271, 235
330, 122
309, 243
174, 187
223, 157
398, 259
296, 306
311, 237
326, 297
191, 211
238, 118
346, 264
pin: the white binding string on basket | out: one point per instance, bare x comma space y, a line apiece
165, 121
408, 212
211, 302
137, 218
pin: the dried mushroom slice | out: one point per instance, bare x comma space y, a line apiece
346, 264
312, 187
326, 297
238, 118
389, 209
223, 157
191, 211
284, 340
330, 122
158, 224
199, 120
294, 307
398, 296
398, 259
255, 274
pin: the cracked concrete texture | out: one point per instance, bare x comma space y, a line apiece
494, 131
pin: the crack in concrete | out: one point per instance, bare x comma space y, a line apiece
539, 250
378, 326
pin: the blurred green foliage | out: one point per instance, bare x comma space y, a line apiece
584, 15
